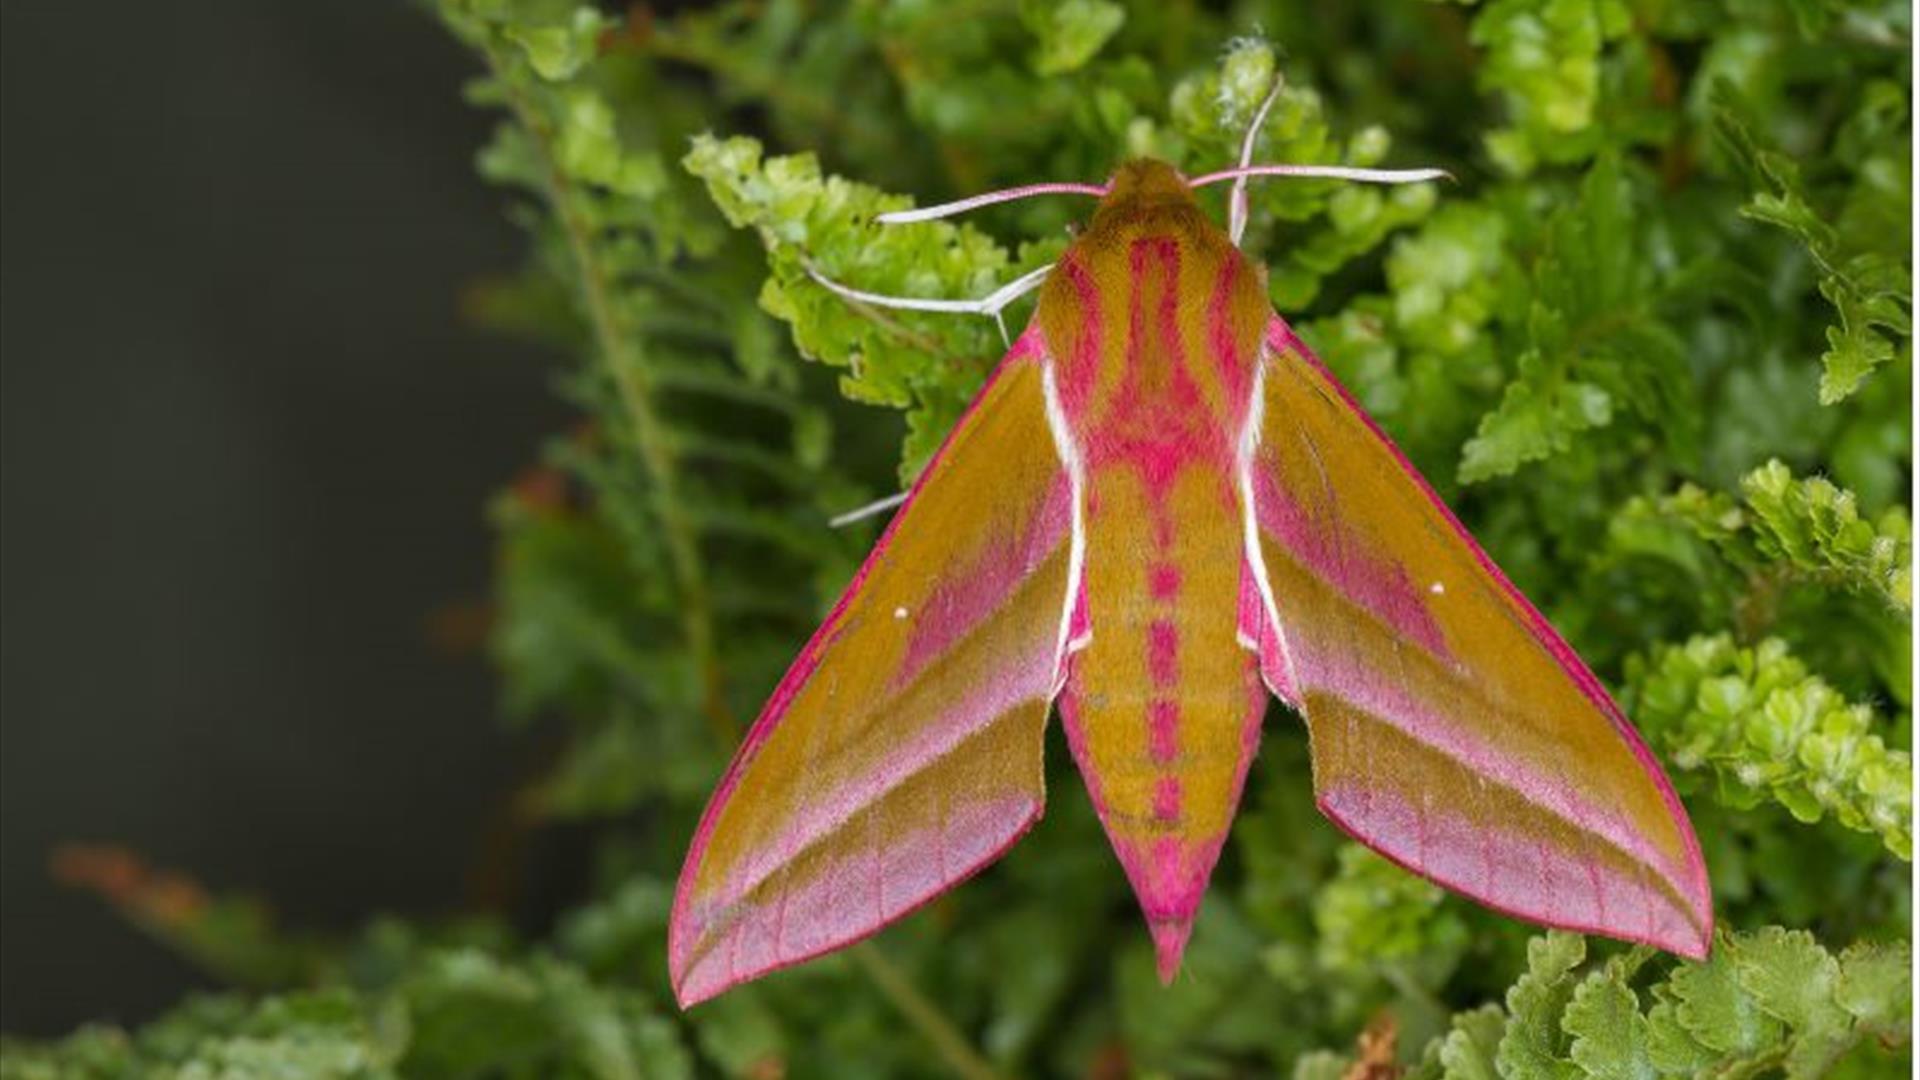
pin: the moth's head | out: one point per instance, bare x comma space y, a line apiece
1144, 183
1144, 188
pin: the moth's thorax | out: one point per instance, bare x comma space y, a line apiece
1153, 322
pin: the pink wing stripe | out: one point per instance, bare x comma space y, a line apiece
1379, 586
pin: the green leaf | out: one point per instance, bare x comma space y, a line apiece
1373, 913
1875, 987
1793, 979
557, 53
1610, 1036
1069, 32
1469, 1048
1532, 424
1817, 527
1869, 289
1713, 1008
1544, 57
1534, 1047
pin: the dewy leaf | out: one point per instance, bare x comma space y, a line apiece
1534, 1047
1070, 32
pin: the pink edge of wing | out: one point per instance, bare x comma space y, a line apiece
1678, 934
997, 829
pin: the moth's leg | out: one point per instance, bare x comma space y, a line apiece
990, 305
877, 506
1237, 200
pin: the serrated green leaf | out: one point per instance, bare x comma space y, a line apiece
1610, 1037
1716, 1011
1470, 1047
1792, 978
1875, 987
1533, 1046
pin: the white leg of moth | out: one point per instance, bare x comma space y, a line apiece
990, 305
877, 506
1237, 201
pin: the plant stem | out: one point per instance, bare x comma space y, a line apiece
924, 1015
620, 349
1756, 609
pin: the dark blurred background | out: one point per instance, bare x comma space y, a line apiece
248, 447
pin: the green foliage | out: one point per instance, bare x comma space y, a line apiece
1815, 528
1764, 727
1653, 344
1864, 272
1769, 1002
457, 1013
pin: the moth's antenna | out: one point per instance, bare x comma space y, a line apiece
877, 506
1237, 202
1325, 172
991, 304
961, 206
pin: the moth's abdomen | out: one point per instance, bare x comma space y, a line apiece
1163, 706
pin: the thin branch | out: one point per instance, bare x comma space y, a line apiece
924, 1015
620, 347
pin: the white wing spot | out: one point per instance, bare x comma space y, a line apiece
899, 613
1436, 588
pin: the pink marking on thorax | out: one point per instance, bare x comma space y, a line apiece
1235, 369
1077, 362
1155, 421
